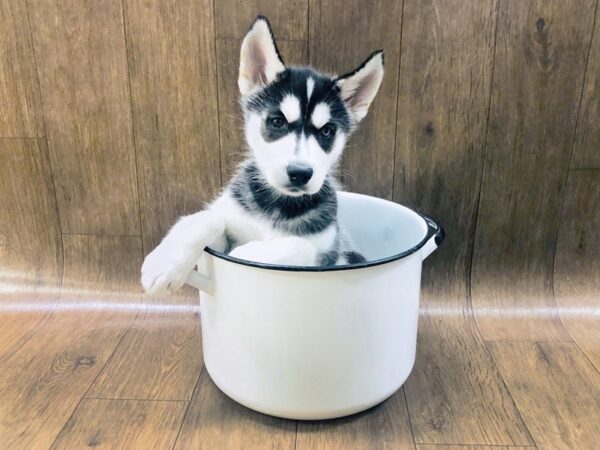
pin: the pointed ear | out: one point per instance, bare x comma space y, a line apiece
260, 61
359, 87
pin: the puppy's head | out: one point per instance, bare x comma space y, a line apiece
297, 120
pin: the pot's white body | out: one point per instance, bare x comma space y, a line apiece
319, 344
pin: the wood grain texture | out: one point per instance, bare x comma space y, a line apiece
577, 265
215, 421
443, 100
289, 19
30, 241
342, 35
455, 393
472, 447
122, 424
43, 381
20, 110
586, 153
385, 426
174, 95
540, 59
80, 51
560, 411
159, 358
231, 122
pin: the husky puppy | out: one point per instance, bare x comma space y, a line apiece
280, 207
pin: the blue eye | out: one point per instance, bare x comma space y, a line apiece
327, 131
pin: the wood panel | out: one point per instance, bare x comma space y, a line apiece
20, 110
561, 411
122, 424
159, 358
289, 19
174, 96
586, 153
43, 381
231, 122
30, 241
342, 35
577, 265
80, 51
455, 393
384, 426
443, 100
538, 73
471, 447
213, 420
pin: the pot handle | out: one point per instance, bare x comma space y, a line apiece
436, 235
200, 281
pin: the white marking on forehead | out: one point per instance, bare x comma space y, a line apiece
310, 85
290, 107
320, 115
301, 149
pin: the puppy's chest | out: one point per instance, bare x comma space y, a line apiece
244, 227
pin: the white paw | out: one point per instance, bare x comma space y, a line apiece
293, 251
166, 268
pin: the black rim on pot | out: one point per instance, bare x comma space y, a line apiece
434, 229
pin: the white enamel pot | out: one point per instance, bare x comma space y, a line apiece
317, 343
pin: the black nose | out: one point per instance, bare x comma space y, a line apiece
299, 174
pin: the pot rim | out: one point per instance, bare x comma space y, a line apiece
434, 230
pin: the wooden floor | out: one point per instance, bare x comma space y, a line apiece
87, 361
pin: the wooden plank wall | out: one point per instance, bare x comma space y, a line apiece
484, 110
541, 56
118, 116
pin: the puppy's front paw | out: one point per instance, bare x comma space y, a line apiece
165, 269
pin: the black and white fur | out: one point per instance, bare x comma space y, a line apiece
280, 207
